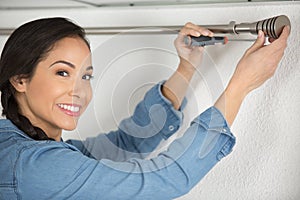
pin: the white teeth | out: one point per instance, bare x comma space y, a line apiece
68, 107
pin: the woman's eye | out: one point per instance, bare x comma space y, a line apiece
87, 77
62, 73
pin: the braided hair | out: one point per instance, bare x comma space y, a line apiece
25, 48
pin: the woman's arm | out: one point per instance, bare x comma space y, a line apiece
258, 64
55, 171
190, 58
153, 120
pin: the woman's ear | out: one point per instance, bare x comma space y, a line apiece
19, 82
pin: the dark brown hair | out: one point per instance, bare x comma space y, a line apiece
25, 48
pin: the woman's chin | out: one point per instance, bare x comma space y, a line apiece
69, 126
69, 129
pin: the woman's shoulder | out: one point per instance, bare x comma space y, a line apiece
21, 155
15, 141
10, 134
15, 144
12, 142
6, 126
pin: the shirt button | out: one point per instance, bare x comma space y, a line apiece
171, 128
224, 130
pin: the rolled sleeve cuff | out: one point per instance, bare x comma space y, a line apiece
174, 117
213, 120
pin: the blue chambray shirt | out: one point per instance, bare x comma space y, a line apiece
115, 165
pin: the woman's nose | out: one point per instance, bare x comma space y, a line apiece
78, 89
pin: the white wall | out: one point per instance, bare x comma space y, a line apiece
265, 163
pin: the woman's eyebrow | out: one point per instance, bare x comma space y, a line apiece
89, 68
63, 62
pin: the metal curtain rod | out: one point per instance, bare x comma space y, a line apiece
271, 27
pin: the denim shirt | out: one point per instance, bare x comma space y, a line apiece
115, 165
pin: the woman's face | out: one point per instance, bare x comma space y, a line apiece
60, 89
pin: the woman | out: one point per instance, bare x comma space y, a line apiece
45, 73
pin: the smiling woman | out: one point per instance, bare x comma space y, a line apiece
63, 86
33, 71
45, 73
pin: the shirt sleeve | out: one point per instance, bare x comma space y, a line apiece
54, 172
153, 120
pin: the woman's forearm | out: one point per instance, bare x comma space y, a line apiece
176, 86
230, 101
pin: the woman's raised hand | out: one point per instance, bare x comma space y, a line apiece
190, 56
259, 62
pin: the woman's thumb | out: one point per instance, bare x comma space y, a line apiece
260, 41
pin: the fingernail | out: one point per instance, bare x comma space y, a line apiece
205, 32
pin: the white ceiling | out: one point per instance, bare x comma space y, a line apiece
54, 4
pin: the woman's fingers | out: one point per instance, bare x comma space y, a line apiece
258, 43
195, 30
191, 56
284, 34
281, 42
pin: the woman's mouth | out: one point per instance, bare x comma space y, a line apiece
70, 109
